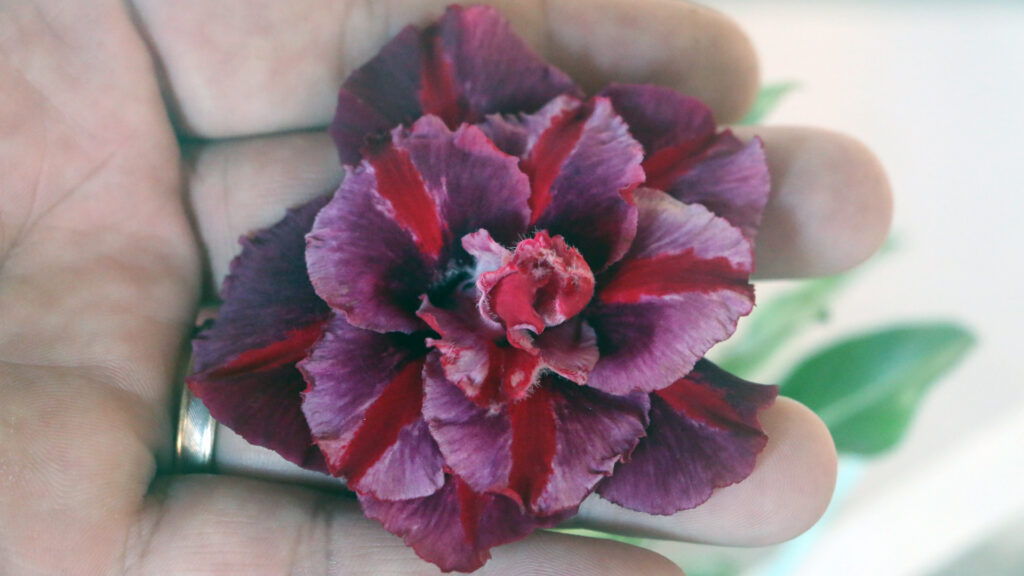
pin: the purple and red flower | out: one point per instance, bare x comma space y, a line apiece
506, 304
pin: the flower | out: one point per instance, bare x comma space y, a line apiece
505, 306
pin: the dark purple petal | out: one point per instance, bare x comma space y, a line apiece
583, 171
495, 71
455, 528
395, 223
244, 366
685, 157
661, 118
731, 179
468, 65
547, 450
703, 435
364, 407
681, 289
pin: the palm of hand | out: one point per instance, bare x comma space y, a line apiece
100, 274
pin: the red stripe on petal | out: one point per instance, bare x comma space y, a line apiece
400, 404
697, 398
534, 445
674, 274
438, 94
549, 153
470, 506
399, 182
669, 164
291, 350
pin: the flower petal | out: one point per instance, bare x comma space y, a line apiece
244, 365
547, 450
681, 289
490, 372
468, 65
390, 230
478, 186
583, 167
583, 170
364, 408
661, 118
731, 179
704, 434
456, 527
685, 157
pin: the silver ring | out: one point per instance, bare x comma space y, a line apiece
197, 430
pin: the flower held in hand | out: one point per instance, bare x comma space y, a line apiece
506, 304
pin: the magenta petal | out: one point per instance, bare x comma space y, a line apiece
468, 65
547, 450
364, 407
244, 365
681, 289
731, 179
704, 434
583, 173
456, 527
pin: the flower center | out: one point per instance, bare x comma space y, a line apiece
543, 284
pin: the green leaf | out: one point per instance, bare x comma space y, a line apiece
867, 388
776, 322
768, 99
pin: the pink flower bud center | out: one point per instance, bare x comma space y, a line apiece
543, 284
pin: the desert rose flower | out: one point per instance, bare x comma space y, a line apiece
506, 305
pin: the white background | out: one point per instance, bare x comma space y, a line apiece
937, 90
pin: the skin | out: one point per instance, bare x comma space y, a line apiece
112, 233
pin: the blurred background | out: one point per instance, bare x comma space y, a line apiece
936, 89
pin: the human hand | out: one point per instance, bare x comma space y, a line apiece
101, 271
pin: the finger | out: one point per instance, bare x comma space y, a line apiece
788, 491
224, 526
97, 283
237, 187
234, 68
830, 206
831, 203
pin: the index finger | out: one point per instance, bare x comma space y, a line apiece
233, 69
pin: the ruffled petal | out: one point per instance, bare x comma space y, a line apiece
491, 373
456, 527
244, 365
731, 179
364, 407
704, 434
547, 450
478, 187
681, 289
661, 118
362, 262
583, 169
468, 65
390, 230
685, 157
